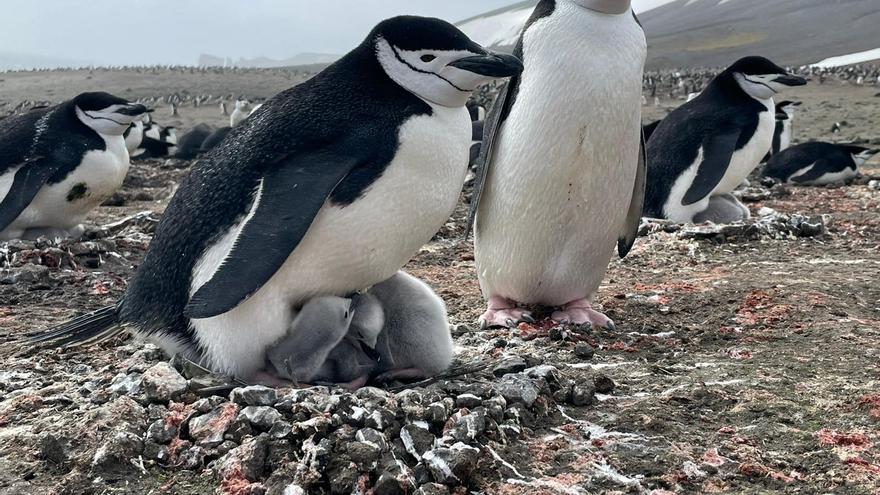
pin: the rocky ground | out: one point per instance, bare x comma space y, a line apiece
745, 361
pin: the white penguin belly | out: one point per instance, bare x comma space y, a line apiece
746, 160
562, 178
346, 249
825, 179
66, 204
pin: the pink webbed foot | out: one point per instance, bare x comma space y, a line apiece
504, 313
267, 379
581, 312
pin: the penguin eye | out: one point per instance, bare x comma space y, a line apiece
428, 58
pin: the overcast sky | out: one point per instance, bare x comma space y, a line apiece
135, 32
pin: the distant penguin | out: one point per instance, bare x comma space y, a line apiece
818, 164
561, 176
190, 144
241, 112
709, 146
332, 190
784, 124
57, 164
396, 330
134, 136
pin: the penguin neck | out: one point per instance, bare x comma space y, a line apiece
611, 7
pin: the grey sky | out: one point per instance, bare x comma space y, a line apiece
136, 32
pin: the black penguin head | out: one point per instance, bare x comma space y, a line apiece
860, 154
436, 61
107, 114
761, 78
604, 6
787, 107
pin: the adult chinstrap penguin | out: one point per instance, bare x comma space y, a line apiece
58, 163
782, 135
561, 175
818, 164
330, 188
709, 146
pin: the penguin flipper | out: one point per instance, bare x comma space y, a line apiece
818, 169
28, 181
492, 126
717, 153
289, 198
637, 204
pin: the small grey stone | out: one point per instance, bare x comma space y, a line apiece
495, 408
432, 489
208, 404
460, 329
192, 459
280, 429
161, 431
49, 447
437, 413
163, 383
467, 427
261, 417
155, 452
584, 351
115, 454
364, 454
514, 364
517, 388
374, 437
293, 490
380, 419
127, 384
256, 395
25, 275
583, 394
453, 465
209, 430
604, 385
250, 458
373, 395
416, 440
469, 401
343, 476
388, 484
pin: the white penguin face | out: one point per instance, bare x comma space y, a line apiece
766, 86
242, 105
863, 157
444, 77
604, 6
113, 120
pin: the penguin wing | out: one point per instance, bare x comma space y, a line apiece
28, 181
289, 197
637, 204
492, 125
819, 168
717, 152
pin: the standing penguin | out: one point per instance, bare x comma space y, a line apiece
709, 146
818, 164
562, 170
241, 112
57, 164
782, 136
331, 188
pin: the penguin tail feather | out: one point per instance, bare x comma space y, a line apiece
92, 328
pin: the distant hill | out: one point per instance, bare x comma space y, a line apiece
266, 63
692, 33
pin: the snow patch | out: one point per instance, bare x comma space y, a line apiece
852, 58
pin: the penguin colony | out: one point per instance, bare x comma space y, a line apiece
279, 258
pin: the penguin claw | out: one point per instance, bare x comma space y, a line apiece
528, 318
582, 313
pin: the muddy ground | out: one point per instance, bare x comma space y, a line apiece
744, 361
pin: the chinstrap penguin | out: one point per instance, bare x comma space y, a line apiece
396, 330
782, 135
709, 146
58, 163
547, 212
330, 188
818, 164
190, 144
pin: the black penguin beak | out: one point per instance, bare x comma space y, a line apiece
491, 65
132, 110
789, 80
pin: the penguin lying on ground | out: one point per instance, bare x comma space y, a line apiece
709, 146
163, 146
396, 330
818, 164
59, 163
215, 138
548, 211
330, 188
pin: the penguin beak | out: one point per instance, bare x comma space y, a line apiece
132, 110
789, 80
491, 65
